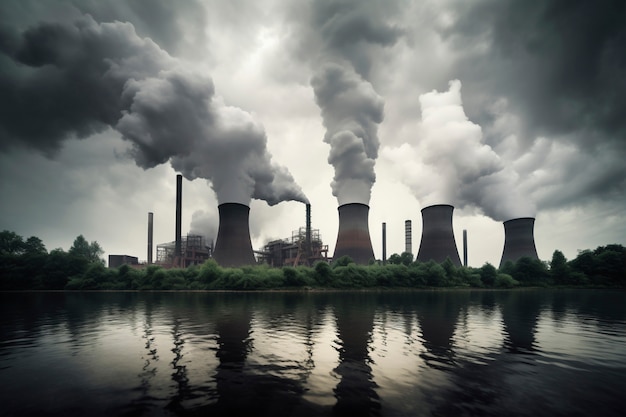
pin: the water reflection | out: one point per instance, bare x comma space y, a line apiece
355, 391
415, 353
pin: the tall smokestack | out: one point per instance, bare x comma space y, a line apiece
464, 247
408, 240
233, 246
308, 231
437, 235
353, 238
384, 243
150, 235
519, 240
179, 215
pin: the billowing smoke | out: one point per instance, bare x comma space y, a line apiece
351, 110
85, 76
340, 36
450, 164
204, 223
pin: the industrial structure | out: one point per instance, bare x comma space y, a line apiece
353, 237
115, 261
233, 246
295, 251
519, 240
304, 247
150, 236
186, 251
408, 239
438, 242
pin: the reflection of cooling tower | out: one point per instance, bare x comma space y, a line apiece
437, 235
233, 246
353, 238
519, 240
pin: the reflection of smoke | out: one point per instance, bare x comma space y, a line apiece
85, 76
457, 168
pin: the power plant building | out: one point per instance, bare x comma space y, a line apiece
193, 251
295, 251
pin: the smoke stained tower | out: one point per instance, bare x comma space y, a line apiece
437, 235
233, 246
519, 240
353, 238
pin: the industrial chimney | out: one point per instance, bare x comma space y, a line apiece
150, 235
437, 235
179, 211
353, 238
233, 246
519, 240
408, 245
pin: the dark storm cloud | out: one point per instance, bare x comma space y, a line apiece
560, 64
174, 26
75, 79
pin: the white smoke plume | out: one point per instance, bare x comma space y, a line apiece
450, 164
205, 224
85, 76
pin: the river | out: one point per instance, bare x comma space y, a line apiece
419, 353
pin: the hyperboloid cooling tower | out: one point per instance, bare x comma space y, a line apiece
353, 238
519, 240
437, 235
233, 246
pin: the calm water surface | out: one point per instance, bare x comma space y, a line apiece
444, 353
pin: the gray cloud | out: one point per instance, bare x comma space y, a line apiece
80, 78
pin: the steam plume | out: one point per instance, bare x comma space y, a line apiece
342, 34
457, 168
86, 76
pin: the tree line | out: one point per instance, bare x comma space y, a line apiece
27, 265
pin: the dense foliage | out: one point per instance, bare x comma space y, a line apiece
26, 265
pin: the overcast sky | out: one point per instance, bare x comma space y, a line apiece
503, 109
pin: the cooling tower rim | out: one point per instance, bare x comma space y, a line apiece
518, 218
438, 205
233, 204
353, 204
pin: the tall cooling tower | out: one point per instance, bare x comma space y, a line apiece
353, 238
437, 235
519, 240
233, 246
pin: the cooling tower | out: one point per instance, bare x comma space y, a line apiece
353, 238
519, 240
233, 246
437, 235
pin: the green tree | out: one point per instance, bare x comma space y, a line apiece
560, 271
11, 243
488, 274
90, 251
34, 246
